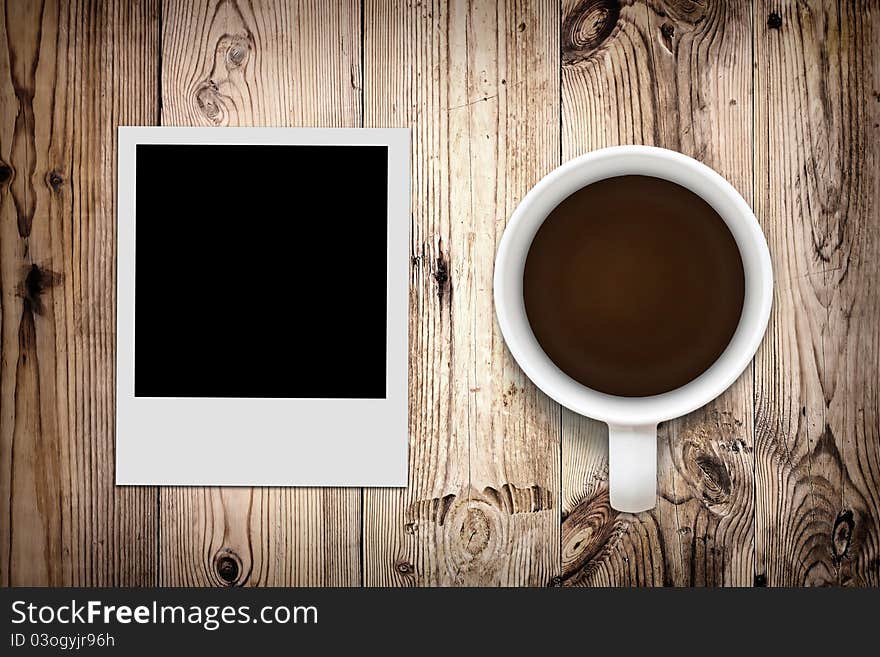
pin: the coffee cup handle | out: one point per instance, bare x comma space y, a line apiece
632, 467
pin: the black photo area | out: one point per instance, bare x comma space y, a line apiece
260, 271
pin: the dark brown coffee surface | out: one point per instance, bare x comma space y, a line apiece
633, 286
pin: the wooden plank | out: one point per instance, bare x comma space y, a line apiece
677, 75
817, 196
478, 83
474, 82
275, 64
69, 74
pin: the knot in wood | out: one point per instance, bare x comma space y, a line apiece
228, 567
705, 470
774, 21
209, 102
236, 54
475, 531
441, 277
587, 532
586, 27
5, 172
55, 180
404, 567
715, 479
36, 281
667, 34
841, 535
441, 273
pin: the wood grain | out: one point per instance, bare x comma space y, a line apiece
776, 483
275, 64
817, 79
675, 74
478, 83
69, 74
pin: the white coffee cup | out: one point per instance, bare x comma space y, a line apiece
632, 421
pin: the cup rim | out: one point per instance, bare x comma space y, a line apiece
584, 170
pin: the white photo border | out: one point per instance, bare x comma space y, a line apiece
265, 442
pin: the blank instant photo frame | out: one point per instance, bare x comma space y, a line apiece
262, 287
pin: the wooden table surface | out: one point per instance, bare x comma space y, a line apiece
775, 483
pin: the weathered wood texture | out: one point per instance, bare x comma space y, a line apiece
274, 64
478, 84
677, 75
817, 163
776, 483
70, 72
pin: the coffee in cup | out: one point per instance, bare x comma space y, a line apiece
633, 286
